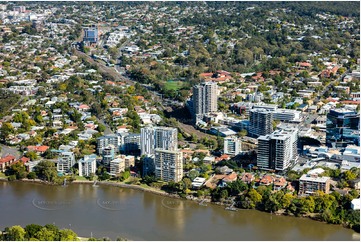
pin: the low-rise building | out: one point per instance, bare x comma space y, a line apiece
116, 166
6, 161
309, 184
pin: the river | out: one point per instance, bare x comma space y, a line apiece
108, 211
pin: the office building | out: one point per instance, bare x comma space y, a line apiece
260, 122
91, 35
106, 140
168, 165
309, 184
158, 138
277, 151
205, 98
87, 165
342, 128
66, 161
232, 145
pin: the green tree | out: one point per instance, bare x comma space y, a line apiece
31, 230
18, 169
242, 133
31, 175
254, 197
45, 234
16, 233
5, 130
46, 170
31, 155
68, 235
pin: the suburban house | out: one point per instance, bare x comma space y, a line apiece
6, 161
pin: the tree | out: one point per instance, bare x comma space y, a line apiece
18, 169
16, 233
224, 194
45, 234
31, 155
5, 130
31, 230
31, 175
254, 197
68, 235
187, 183
242, 133
101, 128
46, 170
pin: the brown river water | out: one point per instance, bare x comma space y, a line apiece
108, 211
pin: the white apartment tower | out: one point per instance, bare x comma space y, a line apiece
277, 151
66, 161
232, 145
158, 138
168, 165
205, 98
87, 165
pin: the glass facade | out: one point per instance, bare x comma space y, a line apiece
342, 128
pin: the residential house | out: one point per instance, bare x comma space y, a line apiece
279, 183
247, 178
6, 161
38, 149
266, 180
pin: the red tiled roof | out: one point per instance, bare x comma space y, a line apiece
231, 177
84, 106
350, 102
7, 158
267, 179
24, 159
41, 148
280, 181
304, 64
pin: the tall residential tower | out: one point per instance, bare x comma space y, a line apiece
205, 98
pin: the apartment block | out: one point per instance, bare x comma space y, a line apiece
232, 145
158, 138
205, 98
106, 140
260, 122
87, 165
309, 184
277, 151
168, 165
116, 166
66, 160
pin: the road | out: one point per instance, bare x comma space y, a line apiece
7, 150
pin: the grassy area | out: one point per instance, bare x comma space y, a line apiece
81, 178
173, 85
2, 175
